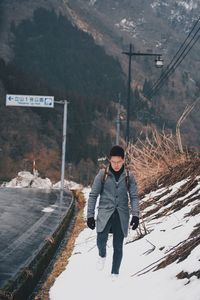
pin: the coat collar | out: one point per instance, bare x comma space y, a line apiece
121, 177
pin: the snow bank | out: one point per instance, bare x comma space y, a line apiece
25, 179
81, 279
71, 185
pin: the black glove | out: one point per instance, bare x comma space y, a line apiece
91, 223
134, 222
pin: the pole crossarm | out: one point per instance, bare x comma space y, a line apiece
61, 102
141, 54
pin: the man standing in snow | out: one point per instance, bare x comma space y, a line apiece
115, 186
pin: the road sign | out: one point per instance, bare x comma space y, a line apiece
30, 100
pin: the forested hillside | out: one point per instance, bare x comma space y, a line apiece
170, 28
53, 57
73, 50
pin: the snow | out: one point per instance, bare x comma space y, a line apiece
92, 2
82, 280
68, 184
159, 3
48, 209
188, 5
129, 26
138, 277
25, 179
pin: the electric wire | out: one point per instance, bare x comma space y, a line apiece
180, 48
175, 63
174, 66
168, 72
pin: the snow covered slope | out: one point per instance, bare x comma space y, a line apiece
161, 260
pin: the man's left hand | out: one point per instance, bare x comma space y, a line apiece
134, 222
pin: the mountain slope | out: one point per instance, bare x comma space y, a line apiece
48, 47
151, 26
49, 55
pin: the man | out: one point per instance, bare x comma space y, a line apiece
114, 188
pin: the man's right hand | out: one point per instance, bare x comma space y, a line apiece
91, 223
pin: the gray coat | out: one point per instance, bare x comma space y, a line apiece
114, 196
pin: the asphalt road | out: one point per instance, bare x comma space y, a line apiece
27, 218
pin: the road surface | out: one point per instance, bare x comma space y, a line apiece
27, 218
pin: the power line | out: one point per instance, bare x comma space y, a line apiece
173, 65
180, 48
193, 28
172, 68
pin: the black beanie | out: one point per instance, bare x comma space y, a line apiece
117, 151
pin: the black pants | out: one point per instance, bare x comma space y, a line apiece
118, 237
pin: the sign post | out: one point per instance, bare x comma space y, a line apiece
65, 102
46, 102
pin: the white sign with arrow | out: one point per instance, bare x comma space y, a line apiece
30, 100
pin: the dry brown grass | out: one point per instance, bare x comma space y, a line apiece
62, 261
157, 154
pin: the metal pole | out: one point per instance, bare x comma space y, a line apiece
128, 97
118, 123
130, 54
63, 148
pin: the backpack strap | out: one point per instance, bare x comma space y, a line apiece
105, 175
127, 179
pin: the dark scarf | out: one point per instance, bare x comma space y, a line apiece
117, 174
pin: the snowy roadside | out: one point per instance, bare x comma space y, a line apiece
25, 179
169, 219
81, 279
